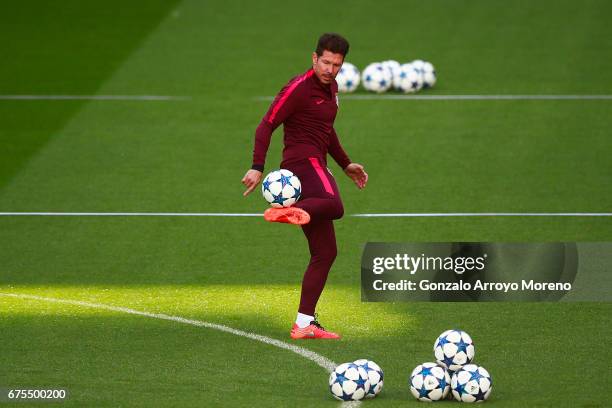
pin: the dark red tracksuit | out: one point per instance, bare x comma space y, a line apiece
308, 108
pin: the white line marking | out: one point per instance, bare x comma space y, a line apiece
383, 215
128, 214
485, 215
482, 97
93, 98
464, 97
321, 361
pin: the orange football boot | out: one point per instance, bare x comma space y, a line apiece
288, 215
312, 331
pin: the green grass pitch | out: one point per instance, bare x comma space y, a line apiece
189, 156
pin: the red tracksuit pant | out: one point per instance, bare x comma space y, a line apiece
320, 198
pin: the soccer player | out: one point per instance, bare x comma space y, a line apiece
307, 107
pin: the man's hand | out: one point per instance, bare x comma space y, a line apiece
251, 180
356, 172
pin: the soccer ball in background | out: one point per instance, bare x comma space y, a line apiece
375, 376
453, 349
349, 382
429, 75
408, 79
429, 382
471, 383
376, 78
281, 188
419, 65
393, 67
348, 78
379, 77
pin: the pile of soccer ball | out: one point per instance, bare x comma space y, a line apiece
453, 371
380, 77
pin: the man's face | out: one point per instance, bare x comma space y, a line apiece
326, 66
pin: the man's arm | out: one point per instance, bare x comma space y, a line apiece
285, 103
336, 151
354, 170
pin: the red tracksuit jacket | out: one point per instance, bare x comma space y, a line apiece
307, 108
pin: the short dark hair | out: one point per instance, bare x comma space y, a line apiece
332, 42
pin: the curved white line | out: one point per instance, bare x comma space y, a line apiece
321, 361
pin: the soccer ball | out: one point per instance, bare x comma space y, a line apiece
281, 188
419, 65
375, 376
472, 383
429, 75
408, 79
376, 78
348, 78
349, 382
393, 67
453, 349
429, 382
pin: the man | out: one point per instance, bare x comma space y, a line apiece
307, 107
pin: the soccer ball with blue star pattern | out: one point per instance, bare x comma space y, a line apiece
281, 188
348, 78
419, 65
429, 382
471, 383
376, 78
393, 67
408, 79
349, 382
375, 375
429, 75
453, 349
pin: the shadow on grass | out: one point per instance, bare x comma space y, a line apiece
61, 48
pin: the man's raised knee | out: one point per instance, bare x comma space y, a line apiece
338, 210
